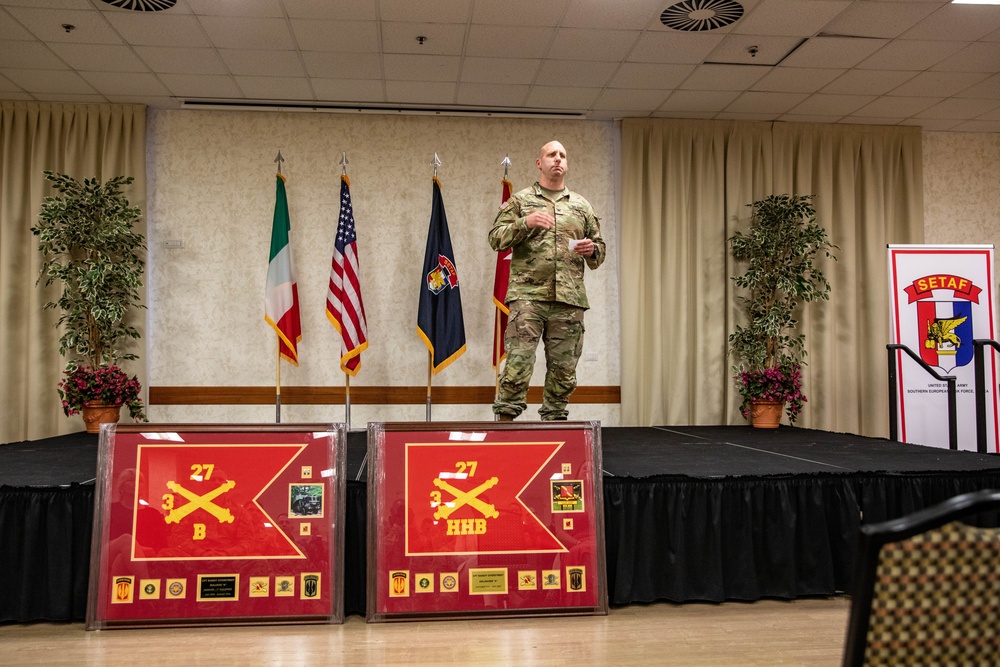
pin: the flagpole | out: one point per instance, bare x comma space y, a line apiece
430, 369
436, 162
277, 385
278, 159
347, 376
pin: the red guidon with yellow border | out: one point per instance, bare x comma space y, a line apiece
503, 519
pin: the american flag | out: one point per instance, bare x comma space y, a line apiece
344, 307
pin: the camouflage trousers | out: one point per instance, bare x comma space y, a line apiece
560, 328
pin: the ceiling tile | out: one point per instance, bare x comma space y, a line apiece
348, 90
802, 18
274, 88
961, 22
955, 109
499, 70
491, 95
317, 35
8, 86
573, 73
650, 76
630, 100
802, 118
942, 84
30, 55
724, 77
442, 38
11, 29
763, 102
526, 42
343, 65
201, 85
693, 100
978, 126
159, 30
986, 89
100, 57
542, 97
674, 47
425, 11
585, 44
46, 24
177, 60
867, 82
125, 83
879, 19
257, 8
420, 92
151, 101
356, 10
247, 33
258, 62
631, 15
833, 52
519, 12
400, 67
49, 81
796, 79
933, 125
839, 105
70, 99
912, 55
888, 106
976, 57
753, 49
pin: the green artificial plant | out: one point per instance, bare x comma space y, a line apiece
779, 252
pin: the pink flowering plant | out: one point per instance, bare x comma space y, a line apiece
781, 384
106, 384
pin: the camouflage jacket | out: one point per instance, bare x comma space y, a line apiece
542, 267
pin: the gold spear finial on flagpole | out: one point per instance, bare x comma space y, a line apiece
343, 163
506, 165
279, 160
437, 163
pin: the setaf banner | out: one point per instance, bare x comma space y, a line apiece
941, 298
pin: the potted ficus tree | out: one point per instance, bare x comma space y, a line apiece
779, 252
89, 246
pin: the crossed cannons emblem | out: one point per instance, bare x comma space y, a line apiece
462, 498
200, 502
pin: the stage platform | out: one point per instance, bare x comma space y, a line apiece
692, 513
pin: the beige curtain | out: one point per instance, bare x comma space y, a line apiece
84, 141
685, 189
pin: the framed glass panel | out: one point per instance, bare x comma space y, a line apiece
485, 519
221, 524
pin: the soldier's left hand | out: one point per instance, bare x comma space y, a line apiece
585, 247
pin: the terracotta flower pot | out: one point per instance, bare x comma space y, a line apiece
96, 413
766, 414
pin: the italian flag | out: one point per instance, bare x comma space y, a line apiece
281, 301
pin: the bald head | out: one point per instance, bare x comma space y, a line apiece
552, 165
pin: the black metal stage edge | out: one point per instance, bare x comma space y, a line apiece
691, 513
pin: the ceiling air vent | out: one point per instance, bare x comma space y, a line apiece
699, 15
142, 5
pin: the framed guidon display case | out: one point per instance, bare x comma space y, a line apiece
485, 519
218, 524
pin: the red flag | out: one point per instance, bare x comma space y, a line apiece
500, 293
344, 307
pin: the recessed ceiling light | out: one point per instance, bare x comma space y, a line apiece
143, 5
975, 2
698, 15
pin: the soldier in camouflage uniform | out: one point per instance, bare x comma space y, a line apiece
553, 233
